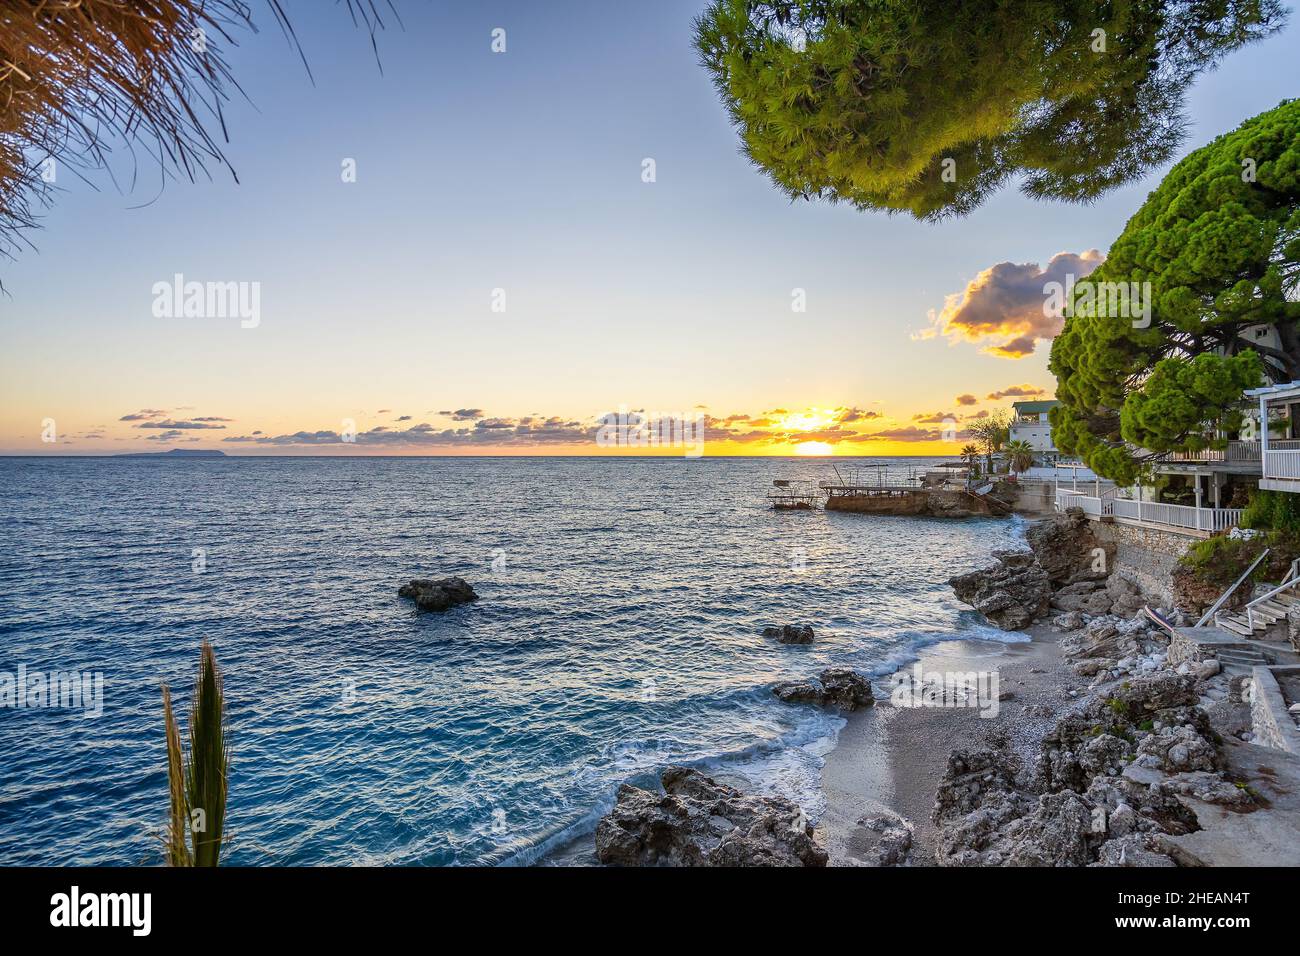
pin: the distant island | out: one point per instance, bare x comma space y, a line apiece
173, 453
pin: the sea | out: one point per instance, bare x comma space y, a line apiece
618, 631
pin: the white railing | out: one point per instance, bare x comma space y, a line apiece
1213, 612
1150, 512
1243, 451
1237, 451
1177, 516
1288, 583
1282, 464
1091, 505
1068, 499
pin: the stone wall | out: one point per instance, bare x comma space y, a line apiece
1271, 725
1184, 649
1145, 556
951, 504
1032, 497
909, 504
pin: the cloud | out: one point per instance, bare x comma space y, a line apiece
1002, 308
212, 418
911, 433
473, 428
1017, 391
524, 432
165, 436
143, 415
967, 399
848, 415
197, 423
404, 418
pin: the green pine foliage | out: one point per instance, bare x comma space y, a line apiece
1219, 242
863, 101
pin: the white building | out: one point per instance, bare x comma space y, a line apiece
1029, 424
1279, 405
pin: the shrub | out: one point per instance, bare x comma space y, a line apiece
1272, 511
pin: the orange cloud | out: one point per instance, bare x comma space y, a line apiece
1017, 391
1003, 309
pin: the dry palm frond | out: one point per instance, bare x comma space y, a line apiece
78, 77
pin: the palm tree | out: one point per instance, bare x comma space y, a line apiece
991, 433
969, 454
1020, 455
78, 79
198, 784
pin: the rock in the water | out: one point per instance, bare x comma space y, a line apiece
698, 822
1012, 594
438, 595
790, 633
838, 686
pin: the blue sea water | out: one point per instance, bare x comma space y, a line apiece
617, 632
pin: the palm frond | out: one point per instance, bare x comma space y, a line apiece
198, 780
208, 762
79, 78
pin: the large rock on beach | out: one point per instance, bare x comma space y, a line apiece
790, 633
1110, 783
699, 822
1084, 597
837, 686
439, 595
1066, 549
1012, 594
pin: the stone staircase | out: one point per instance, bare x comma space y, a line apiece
1241, 657
1262, 615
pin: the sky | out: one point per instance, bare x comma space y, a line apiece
499, 275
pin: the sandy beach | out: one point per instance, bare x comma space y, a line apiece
888, 760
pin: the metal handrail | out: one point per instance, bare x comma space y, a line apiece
1228, 593
1289, 581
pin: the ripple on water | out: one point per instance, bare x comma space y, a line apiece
620, 635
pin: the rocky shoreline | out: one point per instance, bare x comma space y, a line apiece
1113, 757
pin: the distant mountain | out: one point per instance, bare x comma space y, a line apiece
173, 453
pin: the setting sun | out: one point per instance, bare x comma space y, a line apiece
812, 448
811, 420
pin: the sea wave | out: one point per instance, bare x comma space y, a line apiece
619, 630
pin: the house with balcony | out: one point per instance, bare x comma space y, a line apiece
1029, 424
1279, 406
1196, 493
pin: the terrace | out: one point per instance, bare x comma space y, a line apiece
1279, 405
1107, 505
